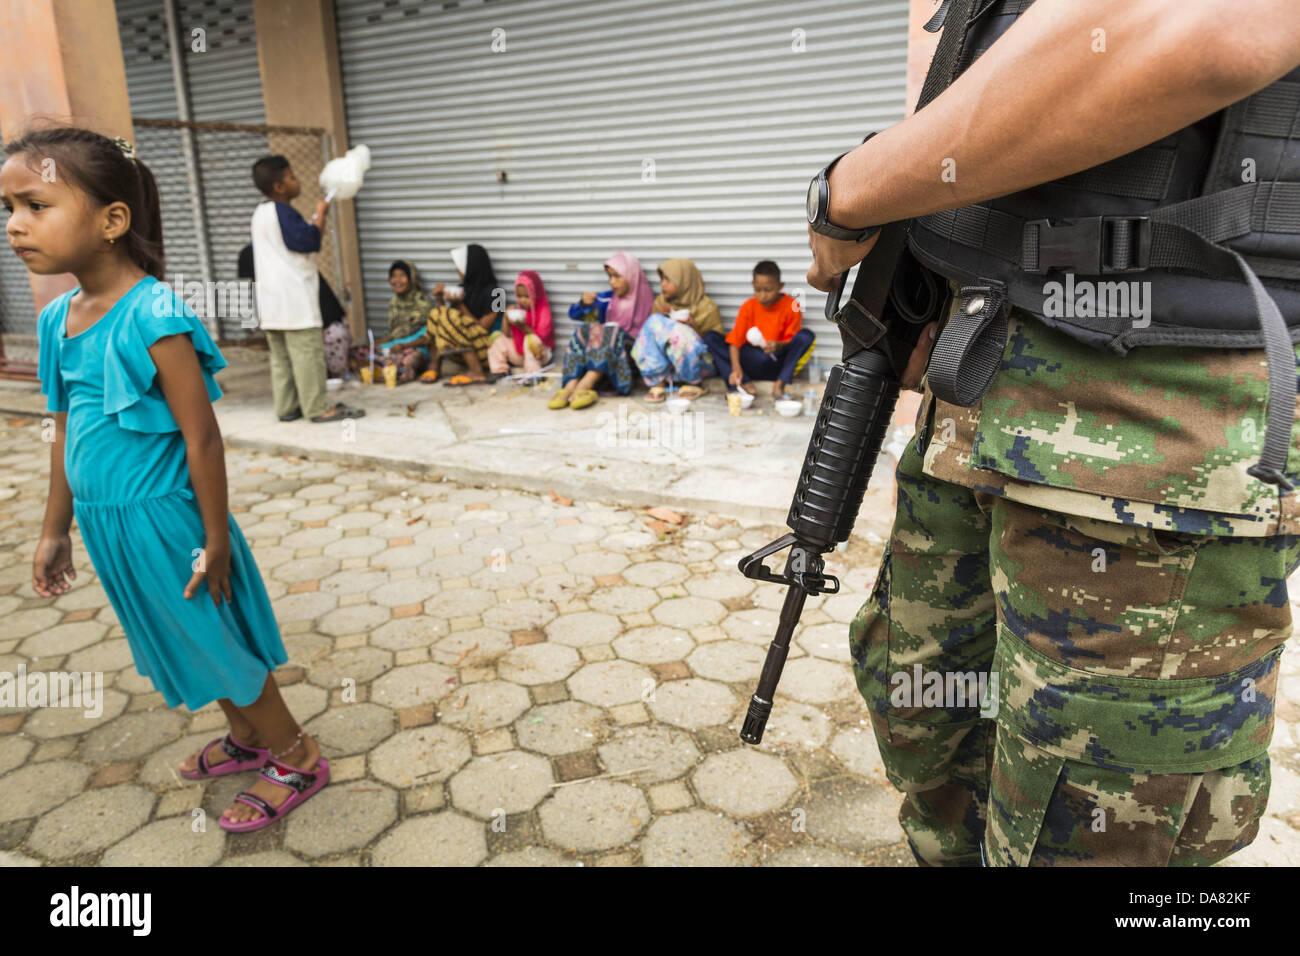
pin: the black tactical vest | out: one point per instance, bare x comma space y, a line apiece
1193, 240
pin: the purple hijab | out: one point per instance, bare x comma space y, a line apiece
630, 311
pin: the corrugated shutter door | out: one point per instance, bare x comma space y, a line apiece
142, 27
668, 129
225, 86
17, 308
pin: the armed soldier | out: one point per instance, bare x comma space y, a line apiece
1098, 505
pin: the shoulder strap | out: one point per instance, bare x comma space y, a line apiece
956, 14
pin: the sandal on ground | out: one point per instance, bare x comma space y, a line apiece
560, 399
657, 393
241, 758
429, 377
457, 381
583, 397
340, 412
691, 391
304, 785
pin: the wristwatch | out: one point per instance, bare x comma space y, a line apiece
819, 203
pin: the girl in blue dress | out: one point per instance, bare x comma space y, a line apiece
127, 369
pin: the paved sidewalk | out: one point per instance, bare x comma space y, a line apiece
619, 450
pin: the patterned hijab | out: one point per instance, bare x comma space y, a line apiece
539, 312
630, 311
690, 295
408, 312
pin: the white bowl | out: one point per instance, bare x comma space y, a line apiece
789, 408
516, 315
681, 315
746, 399
677, 405
333, 384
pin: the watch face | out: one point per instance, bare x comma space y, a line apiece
814, 194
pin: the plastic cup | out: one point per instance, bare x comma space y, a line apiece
390, 376
680, 315
367, 375
734, 403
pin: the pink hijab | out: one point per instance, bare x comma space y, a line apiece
539, 312
630, 311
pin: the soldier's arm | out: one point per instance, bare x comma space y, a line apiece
1042, 102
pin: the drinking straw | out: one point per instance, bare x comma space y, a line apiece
371, 335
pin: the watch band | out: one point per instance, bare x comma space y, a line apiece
827, 228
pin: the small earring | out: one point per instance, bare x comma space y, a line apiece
111, 241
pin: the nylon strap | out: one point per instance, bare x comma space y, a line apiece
947, 54
969, 350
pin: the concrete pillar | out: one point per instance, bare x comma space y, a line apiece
297, 50
63, 64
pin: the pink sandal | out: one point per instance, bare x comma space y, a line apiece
303, 784
241, 758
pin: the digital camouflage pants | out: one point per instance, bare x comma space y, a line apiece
1136, 672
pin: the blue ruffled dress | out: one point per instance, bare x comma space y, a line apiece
135, 505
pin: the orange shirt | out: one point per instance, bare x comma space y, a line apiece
778, 322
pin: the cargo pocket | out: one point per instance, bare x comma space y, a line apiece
869, 644
1023, 780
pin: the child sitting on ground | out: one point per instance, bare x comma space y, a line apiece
529, 337
786, 346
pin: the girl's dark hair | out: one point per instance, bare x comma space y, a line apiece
96, 165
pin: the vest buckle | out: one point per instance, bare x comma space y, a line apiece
1092, 245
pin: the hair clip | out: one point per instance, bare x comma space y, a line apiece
127, 149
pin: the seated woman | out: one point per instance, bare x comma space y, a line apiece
461, 321
610, 323
408, 311
669, 348
530, 338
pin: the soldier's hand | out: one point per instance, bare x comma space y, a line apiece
919, 358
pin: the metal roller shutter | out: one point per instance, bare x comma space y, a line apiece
17, 308
669, 129
224, 85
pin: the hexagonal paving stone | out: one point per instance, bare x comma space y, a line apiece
362, 546
628, 542
689, 612
353, 581
853, 814
50, 722
721, 586
460, 602
844, 607
31, 621
360, 664
520, 615
562, 587
410, 591
528, 856
753, 626
40, 787
419, 756
412, 684
655, 574
13, 751
693, 703
796, 725
817, 682
304, 700
654, 645
504, 783
439, 839
357, 619
744, 783
609, 683
566, 727
170, 842
306, 606
61, 639
827, 641
407, 632
498, 576
583, 629
306, 569
265, 858
811, 855
352, 729
107, 656
665, 752
859, 751
132, 736
477, 647
339, 818
596, 562
624, 599
91, 821
728, 661
594, 815
311, 538
541, 663
696, 838
484, 705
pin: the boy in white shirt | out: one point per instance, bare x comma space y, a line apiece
288, 290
